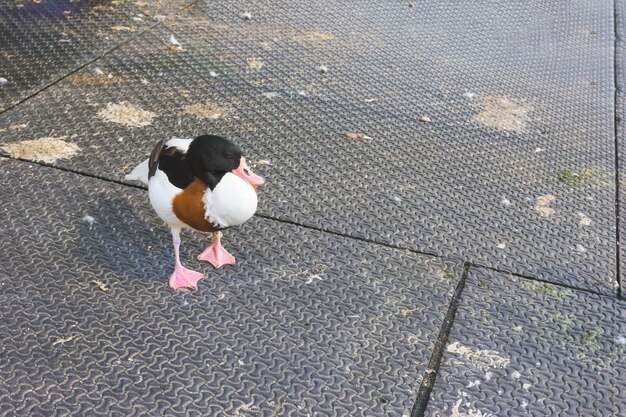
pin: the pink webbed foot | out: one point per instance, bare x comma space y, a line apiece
184, 278
216, 255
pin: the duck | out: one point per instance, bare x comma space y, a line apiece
203, 184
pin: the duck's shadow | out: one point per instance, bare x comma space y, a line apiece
125, 239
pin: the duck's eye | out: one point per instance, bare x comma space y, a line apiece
228, 155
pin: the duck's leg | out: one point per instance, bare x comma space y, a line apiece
216, 254
182, 277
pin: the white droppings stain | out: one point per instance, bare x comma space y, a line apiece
89, 220
120, 140
302, 93
397, 199
240, 362
370, 100
516, 375
580, 248
621, 340
524, 404
246, 16
98, 71
174, 41
270, 94
471, 412
323, 69
584, 220
313, 278
501, 246
526, 386
488, 376
213, 74
538, 150
542, 205
506, 202
469, 95
137, 19
474, 383
480, 358
144, 81
3, 81
425, 119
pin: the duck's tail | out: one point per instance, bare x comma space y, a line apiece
140, 173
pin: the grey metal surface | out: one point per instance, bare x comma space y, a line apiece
455, 185
306, 323
525, 348
620, 120
42, 41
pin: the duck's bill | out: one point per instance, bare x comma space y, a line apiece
246, 173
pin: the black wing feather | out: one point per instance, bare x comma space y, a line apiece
155, 156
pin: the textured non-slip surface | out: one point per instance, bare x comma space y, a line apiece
524, 348
42, 41
490, 123
620, 119
306, 323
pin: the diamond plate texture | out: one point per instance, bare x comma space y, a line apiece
436, 175
42, 41
524, 348
620, 120
306, 323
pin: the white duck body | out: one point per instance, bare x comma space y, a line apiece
232, 202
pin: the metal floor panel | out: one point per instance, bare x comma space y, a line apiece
306, 323
524, 348
43, 41
620, 120
512, 168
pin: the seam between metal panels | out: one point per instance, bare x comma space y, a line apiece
430, 375
103, 54
332, 232
617, 61
543, 281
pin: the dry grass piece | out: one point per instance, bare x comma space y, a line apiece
542, 204
122, 28
126, 114
205, 111
504, 113
46, 149
353, 135
314, 37
255, 64
479, 358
